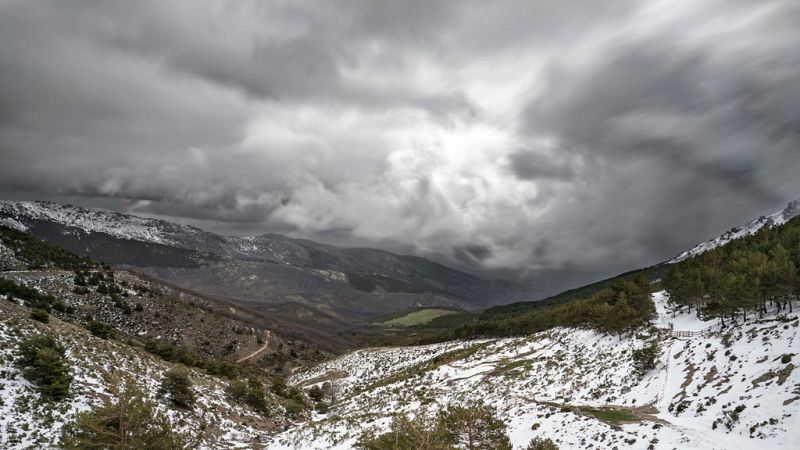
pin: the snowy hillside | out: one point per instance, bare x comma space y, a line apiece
733, 388
90, 220
20, 215
27, 422
779, 218
9, 261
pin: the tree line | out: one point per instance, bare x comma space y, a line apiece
38, 254
746, 276
619, 309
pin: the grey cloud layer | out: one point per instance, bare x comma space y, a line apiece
540, 137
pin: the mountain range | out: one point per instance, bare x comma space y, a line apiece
297, 287
300, 288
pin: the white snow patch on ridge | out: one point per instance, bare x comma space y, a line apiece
90, 220
772, 220
12, 223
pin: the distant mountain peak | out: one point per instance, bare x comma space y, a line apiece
772, 220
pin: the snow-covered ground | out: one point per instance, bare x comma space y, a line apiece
26, 422
670, 318
733, 388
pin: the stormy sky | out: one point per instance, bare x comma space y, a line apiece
577, 138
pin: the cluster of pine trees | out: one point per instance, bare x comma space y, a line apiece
622, 308
39, 255
126, 421
30, 297
173, 353
474, 426
748, 275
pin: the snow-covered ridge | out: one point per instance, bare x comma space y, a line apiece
91, 220
772, 220
13, 223
20, 215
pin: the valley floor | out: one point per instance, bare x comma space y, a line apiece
731, 388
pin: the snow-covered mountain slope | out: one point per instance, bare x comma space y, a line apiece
8, 260
26, 422
732, 388
772, 220
91, 220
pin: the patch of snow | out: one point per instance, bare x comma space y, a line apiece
13, 223
89, 220
677, 319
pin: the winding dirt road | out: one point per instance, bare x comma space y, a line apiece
260, 350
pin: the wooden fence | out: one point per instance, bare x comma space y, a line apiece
688, 334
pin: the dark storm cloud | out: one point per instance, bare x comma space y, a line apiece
689, 138
566, 139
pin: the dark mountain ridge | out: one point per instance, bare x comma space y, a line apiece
291, 281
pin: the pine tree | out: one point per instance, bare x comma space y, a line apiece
541, 444
423, 432
251, 393
642, 281
40, 315
780, 276
126, 421
42, 362
749, 268
674, 283
316, 394
100, 329
475, 427
177, 387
